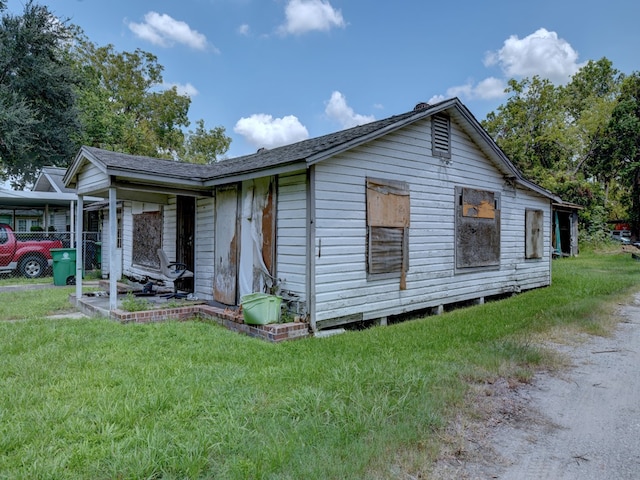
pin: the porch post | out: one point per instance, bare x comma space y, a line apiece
78, 245
113, 245
46, 217
72, 224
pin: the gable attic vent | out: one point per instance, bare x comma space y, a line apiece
441, 136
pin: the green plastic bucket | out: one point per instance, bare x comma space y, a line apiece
261, 308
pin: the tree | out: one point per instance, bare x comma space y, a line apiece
530, 128
122, 107
38, 116
204, 146
121, 104
589, 100
618, 153
551, 133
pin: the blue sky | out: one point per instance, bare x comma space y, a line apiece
274, 72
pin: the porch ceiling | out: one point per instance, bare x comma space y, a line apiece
152, 193
19, 199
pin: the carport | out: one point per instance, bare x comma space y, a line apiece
14, 200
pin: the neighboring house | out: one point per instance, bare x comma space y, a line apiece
404, 214
48, 205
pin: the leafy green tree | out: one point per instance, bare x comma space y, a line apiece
618, 153
38, 116
589, 100
121, 104
205, 146
530, 128
123, 108
552, 134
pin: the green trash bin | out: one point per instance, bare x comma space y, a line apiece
64, 266
99, 254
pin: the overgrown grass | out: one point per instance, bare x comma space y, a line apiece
98, 399
19, 304
6, 279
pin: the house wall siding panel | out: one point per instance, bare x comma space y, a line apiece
342, 284
204, 253
90, 177
291, 221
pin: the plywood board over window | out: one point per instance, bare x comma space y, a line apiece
534, 239
147, 239
388, 216
477, 228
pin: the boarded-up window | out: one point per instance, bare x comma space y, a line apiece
534, 239
477, 228
388, 209
441, 136
147, 239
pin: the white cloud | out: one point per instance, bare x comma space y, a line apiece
436, 99
187, 89
262, 130
244, 29
337, 109
304, 16
165, 31
542, 53
488, 89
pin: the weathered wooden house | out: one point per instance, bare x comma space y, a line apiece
412, 212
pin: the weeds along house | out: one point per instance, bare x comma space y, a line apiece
412, 212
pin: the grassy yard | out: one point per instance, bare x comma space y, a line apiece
100, 400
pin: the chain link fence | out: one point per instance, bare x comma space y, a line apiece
27, 255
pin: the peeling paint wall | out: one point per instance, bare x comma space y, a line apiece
226, 245
258, 236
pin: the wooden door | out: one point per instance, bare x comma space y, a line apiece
185, 235
225, 288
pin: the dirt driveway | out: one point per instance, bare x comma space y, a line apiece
582, 423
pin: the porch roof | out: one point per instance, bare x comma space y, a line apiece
25, 198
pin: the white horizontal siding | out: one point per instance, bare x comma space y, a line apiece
204, 252
291, 250
342, 287
90, 177
169, 226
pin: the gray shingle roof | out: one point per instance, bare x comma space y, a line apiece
295, 152
154, 166
305, 152
300, 151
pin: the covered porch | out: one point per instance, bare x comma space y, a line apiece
132, 236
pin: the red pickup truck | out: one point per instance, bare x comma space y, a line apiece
31, 258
